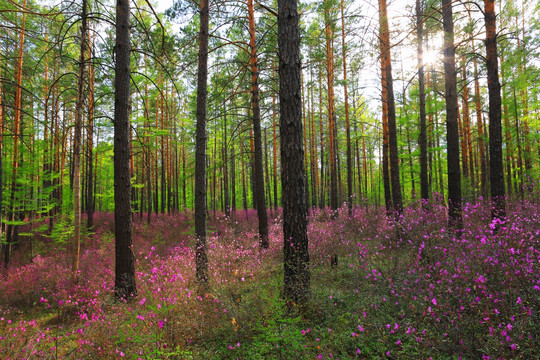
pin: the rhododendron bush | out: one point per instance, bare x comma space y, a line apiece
407, 290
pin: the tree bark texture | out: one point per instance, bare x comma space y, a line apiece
16, 131
329, 32
391, 108
424, 184
295, 244
77, 149
350, 168
201, 259
452, 127
255, 106
124, 284
495, 128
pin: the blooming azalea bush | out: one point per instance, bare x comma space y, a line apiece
409, 289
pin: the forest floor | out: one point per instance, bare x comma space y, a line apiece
426, 293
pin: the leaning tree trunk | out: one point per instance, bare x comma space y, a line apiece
259, 175
295, 244
124, 284
452, 128
201, 259
495, 130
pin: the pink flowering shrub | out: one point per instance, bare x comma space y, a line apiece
406, 289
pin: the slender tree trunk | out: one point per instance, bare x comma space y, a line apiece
313, 151
275, 149
305, 127
267, 170
295, 244
462, 118
201, 259
124, 284
90, 203
524, 99
329, 31
258, 168
2, 149
506, 118
350, 168
233, 176
452, 130
322, 202
147, 151
225, 167
520, 172
469, 164
498, 210
480, 128
16, 131
391, 109
424, 184
244, 186
77, 149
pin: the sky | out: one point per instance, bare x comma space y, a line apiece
162, 5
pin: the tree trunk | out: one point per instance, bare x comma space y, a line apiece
483, 177
90, 142
391, 108
424, 184
201, 259
452, 129
76, 242
495, 129
322, 199
16, 131
350, 168
295, 244
329, 31
225, 167
274, 149
124, 284
2, 155
258, 168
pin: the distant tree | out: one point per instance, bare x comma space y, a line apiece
295, 240
124, 283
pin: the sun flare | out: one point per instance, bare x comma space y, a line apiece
431, 56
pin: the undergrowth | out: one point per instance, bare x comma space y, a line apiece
427, 293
